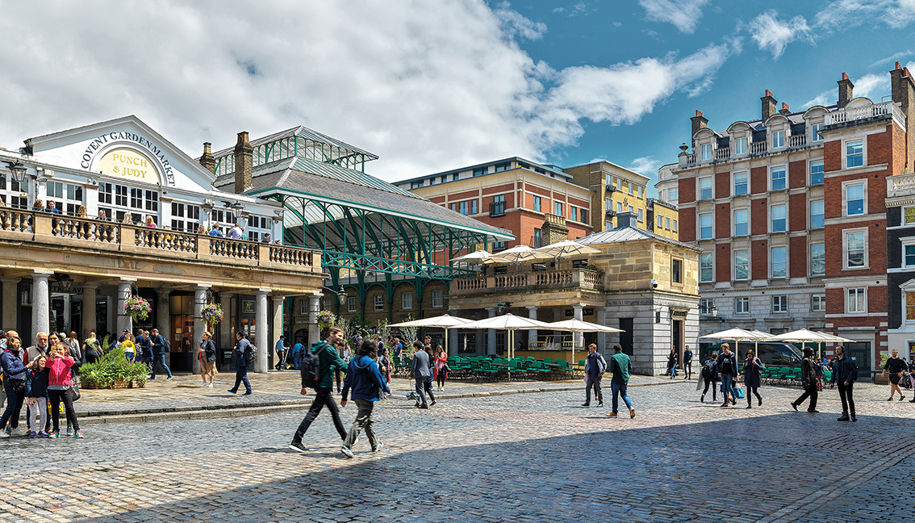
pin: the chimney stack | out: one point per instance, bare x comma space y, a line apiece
769, 105
903, 93
785, 110
698, 122
244, 156
206, 159
846, 89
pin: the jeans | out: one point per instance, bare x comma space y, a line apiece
812, 393
241, 374
845, 393
362, 422
421, 389
160, 359
688, 369
619, 389
323, 397
13, 406
714, 386
727, 387
593, 383
56, 397
297, 360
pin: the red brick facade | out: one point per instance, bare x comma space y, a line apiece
722, 185
759, 259
797, 174
687, 224
759, 216
723, 220
797, 212
723, 262
797, 256
687, 191
758, 180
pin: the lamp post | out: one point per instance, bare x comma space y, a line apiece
17, 170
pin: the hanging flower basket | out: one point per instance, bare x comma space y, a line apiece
326, 319
212, 314
137, 307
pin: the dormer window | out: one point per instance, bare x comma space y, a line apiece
815, 132
778, 139
740, 145
705, 152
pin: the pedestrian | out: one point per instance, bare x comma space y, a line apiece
144, 347
672, 363
297, 353
844, 374
440, 368
727, 371
366, 382
207, 360
621, 369
40, 348
808, 381
419, 372
328, 360
38, 396
398, 347
150, 222
595, 365
280, 349
59, 385
159, 348
130, 348
709, 375
752, 367
384, 365
687, 364
241, 356
92, 350
214, 231
73, 342
895, 366
14, 370
235, 232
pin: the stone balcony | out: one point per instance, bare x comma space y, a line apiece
900, 185
537, 287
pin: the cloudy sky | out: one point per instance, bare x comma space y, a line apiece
435, 85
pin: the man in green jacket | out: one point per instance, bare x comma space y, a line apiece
621, 367
328, 361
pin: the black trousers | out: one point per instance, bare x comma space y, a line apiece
754, 391
714, 386
845, 393
688, 370
809, 392
593, 383
56, 396
323, 397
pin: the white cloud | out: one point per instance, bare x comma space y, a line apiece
514, 23
901, 14
683, 14
774, 35
427, 87
872, 86
645, 165
891, 58
825, 98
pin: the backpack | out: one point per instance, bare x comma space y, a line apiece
166, 344
708, 370
601, 364
250, 351
310, 367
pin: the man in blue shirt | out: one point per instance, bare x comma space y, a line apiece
297, 353
280, 349
159, 348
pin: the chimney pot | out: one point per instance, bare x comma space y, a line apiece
206, 159
898, 65
785, 109
846, 91
244, 157
769, 93
769, 105
698, 112
844, 76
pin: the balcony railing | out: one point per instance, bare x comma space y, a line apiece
69, 231
900, 185
845, 115
722, 153
496, 209
758, 147
797, 140
544, 281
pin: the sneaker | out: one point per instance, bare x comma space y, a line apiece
424, 406
433, 403
759, 402
725, 404
297, 446
702, 398
250, 392
585, 404
78, 435
53, 435
749, 406
912, 401
210, 385
600, 403
901, 398
631, 412
31, 434
204, 384
844, 417
794, 406
43, 434
8, 431
69, 431
854, 418
889, 399
168, 378
232, 391
379, 447
346, 452
612, 415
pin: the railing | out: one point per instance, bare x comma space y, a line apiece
860, 113
798, 140
758, 147
722, 153
496, 209
68, 231
468, 284
900, 185
531, 281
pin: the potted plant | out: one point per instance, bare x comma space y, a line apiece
138, 308
326, 319
212, 314
113, 371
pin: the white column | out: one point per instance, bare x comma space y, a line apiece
602, 336
314, 332
531, 333
163, 319
277, 323
90, 292
200, 299
124, 321
577, 337
10, 302
226, 339
452, 342
490, 333
41, 305
261, 331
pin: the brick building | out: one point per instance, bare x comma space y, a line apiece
789, 212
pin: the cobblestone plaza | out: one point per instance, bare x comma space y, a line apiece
524, 457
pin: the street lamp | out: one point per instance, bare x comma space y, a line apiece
18, 171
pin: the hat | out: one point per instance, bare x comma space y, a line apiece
126, 330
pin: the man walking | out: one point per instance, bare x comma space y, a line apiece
621, 368
687, 364
328, 361
420, 373
844, 374
366, 382
240, 357
727, 370
159, 347
809, 381
145, 347
595, 365
895, 366
280, 349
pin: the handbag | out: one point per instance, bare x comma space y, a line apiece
738, 391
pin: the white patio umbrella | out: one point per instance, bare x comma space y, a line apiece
566, 248
507, 322
474, 257
578, 326
735, 334
445, 321
518, 253
805, 336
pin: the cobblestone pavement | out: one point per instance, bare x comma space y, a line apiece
524, 457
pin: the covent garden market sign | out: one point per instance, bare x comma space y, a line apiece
123, 153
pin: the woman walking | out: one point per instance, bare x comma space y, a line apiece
365, 381
384, 365
672, 363
710, 377
441, 367
751, 377
207, 357
59, 364
91, 349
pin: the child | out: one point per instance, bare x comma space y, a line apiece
38, 396
59, 388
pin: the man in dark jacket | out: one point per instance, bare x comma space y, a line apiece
727, 371
328, 361
844, 374
687, 363
595, 365
240, 358
366, 382
158, 347
13, 382
420, 372
809, 382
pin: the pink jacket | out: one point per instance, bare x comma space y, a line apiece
60, 371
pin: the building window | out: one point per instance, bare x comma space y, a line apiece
661, 222
705, 227
629, 188
705, 306
741, 264
557, 209
437, 299
779, 304
779, 267
908, 255
740, 183
584, 215
538, 239
817, 214
854, 153
462, 207
855, 249
705, 152
676, 270
613, 182
640, 218
573, 213
815, 132
641, 191
15, 194
777, 176
667, 223
378, 300
350, 304
473, 206
817, 259
705, 189
479, 171
619, 206
68, 198
778, 218
741, 226
675, 225
818, 303
854, 199
406, 301
816, 172
631, 209
908, 215
742, 305
536, 203
856, 300
740, 145
502, 167
778, 139
498, 246
705, 267
185, 217
909, 306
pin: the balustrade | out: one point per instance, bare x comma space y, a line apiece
798, 140
584, 278
758, 147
